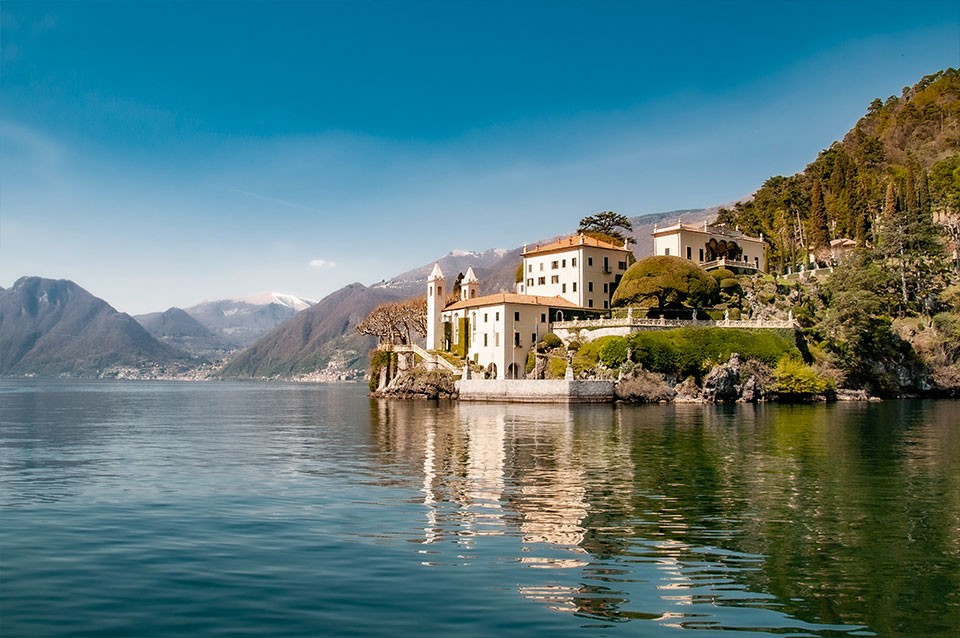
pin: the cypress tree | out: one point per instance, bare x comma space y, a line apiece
819, 237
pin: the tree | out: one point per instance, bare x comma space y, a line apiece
910, 242
819, 235
669, 281
944, 196
856, 324
607, 225
396, 322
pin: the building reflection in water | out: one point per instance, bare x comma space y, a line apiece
528, 472
686, 514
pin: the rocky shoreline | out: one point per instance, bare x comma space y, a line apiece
736, 381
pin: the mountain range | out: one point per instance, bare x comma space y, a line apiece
237, 323
56, 328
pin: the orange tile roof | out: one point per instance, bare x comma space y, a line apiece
514, 298
571, 241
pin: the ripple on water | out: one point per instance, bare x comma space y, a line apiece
299, 510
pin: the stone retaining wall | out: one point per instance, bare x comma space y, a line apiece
536, 391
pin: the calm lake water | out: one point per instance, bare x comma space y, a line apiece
161, 509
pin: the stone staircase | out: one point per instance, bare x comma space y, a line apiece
431, 359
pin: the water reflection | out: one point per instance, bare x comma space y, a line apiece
817, 519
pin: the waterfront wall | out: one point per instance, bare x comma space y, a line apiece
536, 390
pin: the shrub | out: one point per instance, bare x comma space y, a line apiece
549, 342
613, 352
722, 273
729, 285
645, 387
795, 378
556, 368
665, 281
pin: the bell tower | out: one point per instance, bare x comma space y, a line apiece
435, 303
470, 285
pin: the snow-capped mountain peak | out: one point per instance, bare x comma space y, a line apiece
290, 301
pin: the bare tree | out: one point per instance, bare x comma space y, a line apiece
396, 322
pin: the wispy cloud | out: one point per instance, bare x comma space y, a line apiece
29, 145
322, 263
277, 200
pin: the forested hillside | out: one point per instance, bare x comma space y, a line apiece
885, 185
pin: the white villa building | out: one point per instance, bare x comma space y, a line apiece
580, 268
571, 277
712, 247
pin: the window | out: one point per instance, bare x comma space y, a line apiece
485, 317
590, 303
543, 317
606, 264
555, 279
496, 316
589, 286
589, 261
604, 304
689, 253
554, 265
530, 281
701, 254
622, 265
516, 316
542, 281
533, 338
484, 339
605, 288
574, 286
541, 266
573, 262
529, 267
516, 339
496, 339
563, 264
564, 287
666, 251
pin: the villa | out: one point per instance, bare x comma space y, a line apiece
570, 278
712, 247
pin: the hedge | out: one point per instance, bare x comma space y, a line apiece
687, 351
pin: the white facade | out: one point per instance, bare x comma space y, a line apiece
562, 279
579, 268
502, 329
435, 302
470, 286
711, 246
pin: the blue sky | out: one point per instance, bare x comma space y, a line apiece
160, 154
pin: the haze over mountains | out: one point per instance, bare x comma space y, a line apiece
272, 335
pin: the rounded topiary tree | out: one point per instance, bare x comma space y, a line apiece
666, 282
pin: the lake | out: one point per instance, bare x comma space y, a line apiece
204, 509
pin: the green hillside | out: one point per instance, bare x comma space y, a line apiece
897, 170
